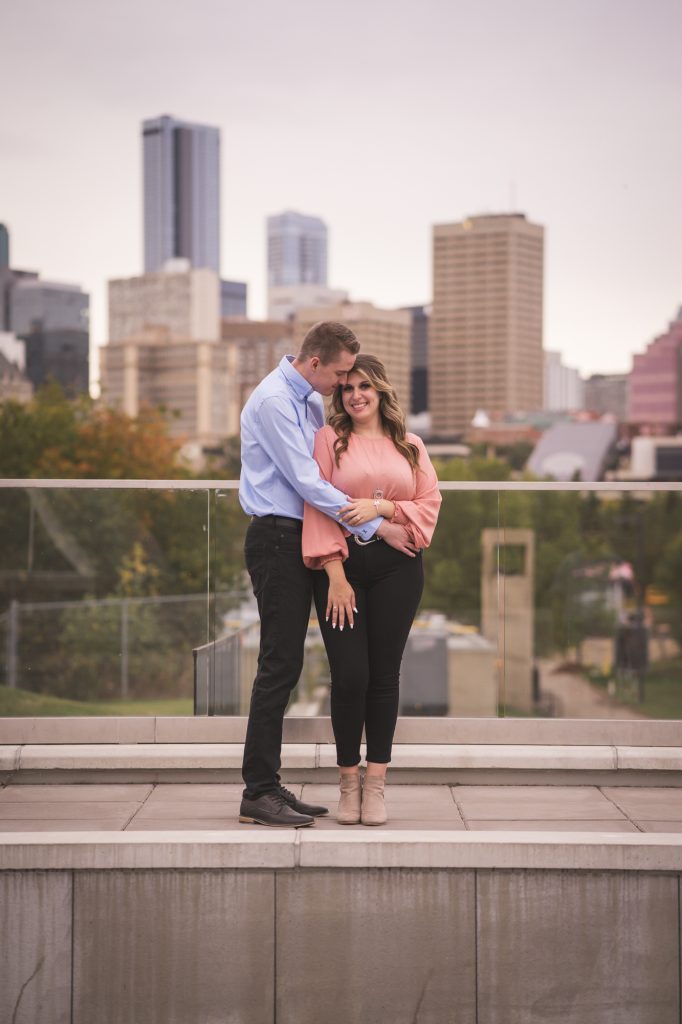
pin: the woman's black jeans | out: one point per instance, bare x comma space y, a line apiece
283, 589
365, 660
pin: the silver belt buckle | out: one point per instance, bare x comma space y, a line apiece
364, 543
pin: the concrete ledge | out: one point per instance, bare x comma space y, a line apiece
31, 851
650, 758
508, 756
583, 851
151, 755
9, 758
531, 731
208, 757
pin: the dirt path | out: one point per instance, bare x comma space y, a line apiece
576, 698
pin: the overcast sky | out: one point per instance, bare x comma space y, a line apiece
381, 116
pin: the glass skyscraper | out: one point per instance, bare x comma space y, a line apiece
297, 250
181, 193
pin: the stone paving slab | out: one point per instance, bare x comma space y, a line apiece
660, 826
64, 825
643, 803
415, 806
203, 807
71, 792
564, 824
217, 823
205, 791
524, 803
56, 809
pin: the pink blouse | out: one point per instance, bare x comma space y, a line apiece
368, 464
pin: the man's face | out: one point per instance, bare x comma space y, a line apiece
325, 378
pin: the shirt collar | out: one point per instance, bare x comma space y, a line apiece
296, 381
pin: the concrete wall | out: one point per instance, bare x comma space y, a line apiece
301, 946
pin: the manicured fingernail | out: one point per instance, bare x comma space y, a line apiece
351, 625
354, 608
340, 629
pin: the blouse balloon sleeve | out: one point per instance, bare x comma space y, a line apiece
419, 514
370, 465
323, 539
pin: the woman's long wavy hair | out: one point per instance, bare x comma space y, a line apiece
392, 417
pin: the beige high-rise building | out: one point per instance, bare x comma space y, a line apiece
165, 351
384, 333
193, 380
485, 341
184, 300
256, 348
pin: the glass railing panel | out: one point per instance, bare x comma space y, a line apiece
451, 662
104, 593
591, 606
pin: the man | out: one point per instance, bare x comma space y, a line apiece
279, 474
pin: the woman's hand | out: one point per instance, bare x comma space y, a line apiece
363, 510
341, 597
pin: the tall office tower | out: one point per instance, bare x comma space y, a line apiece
419, 354
52, 319
564, 388
184, 300
297, 250
181, 193
384, 333
485, 339
607, 393
655, 394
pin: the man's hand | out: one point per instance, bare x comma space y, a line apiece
398, 538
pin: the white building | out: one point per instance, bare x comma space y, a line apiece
564, 388
285, 300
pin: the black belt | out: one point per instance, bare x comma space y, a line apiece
281, 522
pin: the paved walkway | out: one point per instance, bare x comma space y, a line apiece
576, 698
197, 806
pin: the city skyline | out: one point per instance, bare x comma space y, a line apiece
567, 116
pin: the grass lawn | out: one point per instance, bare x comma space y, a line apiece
22, 703
662, 690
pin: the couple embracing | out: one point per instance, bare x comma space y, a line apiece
339, 514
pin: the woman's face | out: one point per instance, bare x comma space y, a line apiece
360, 399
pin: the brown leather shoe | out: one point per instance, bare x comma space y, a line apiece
348, 812
373, 806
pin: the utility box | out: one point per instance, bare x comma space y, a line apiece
424, 674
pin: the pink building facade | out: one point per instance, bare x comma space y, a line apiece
656, 380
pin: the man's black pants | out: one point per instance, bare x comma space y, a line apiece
283, 589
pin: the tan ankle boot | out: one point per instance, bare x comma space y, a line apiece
373, 806
348, 812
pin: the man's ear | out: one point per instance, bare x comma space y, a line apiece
314, 362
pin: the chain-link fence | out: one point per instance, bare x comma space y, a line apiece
127, 648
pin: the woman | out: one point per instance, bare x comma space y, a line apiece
364, 449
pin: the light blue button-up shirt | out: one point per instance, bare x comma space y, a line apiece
278, 426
